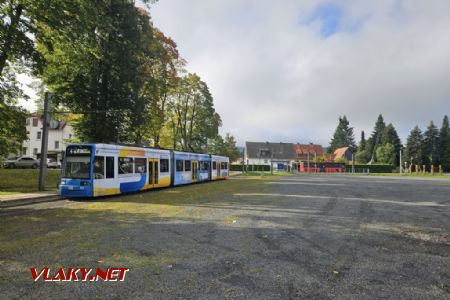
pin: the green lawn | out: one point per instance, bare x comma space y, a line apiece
26, 180
267, 173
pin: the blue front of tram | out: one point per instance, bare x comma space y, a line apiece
76, 171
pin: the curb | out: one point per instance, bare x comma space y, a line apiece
28, 201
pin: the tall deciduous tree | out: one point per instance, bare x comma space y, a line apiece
193, 118
12, 118
343, 136
93, 66
386, 154
17, 25
163, 66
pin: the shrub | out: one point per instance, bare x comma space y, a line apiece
376, 168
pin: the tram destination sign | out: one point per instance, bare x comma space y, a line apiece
78, 150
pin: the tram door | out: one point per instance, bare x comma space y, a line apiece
219, 165
194, 170
153, 171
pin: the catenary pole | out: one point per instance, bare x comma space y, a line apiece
44, 142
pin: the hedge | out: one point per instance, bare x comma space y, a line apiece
358, 167
250, 168
372, 168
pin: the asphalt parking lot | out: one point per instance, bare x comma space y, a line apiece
291, 237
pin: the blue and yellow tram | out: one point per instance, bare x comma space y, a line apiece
91, 170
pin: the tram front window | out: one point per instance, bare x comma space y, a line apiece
77, 167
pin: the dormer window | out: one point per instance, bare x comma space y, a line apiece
264, 152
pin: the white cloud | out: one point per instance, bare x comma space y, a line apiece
274, 77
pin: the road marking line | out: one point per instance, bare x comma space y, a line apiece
304, 183
343, 198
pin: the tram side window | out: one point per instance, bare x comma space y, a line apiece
99, 167
125, 165
179, 166
164, 165
214, 165
139, 165
187, 165
224, 166
204, 166
109, 167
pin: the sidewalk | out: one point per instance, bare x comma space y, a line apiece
27, 198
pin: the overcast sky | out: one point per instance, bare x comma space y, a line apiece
285, 70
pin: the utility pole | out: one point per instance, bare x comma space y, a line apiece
44, 142
271, 160
308, 161
353, 163
315, 161
243, 160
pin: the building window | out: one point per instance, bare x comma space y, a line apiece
35, 122
265, 161
264, 152
56, 144
70, 136
38, 135
179, 166
28, 122
34, 151
164, 165
187, 165
24, 151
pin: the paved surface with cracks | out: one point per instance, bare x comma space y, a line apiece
314, 237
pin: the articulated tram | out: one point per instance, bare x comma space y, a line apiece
92, 170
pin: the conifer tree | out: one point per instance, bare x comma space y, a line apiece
414, 144
343, 136
375, 138
444, 144
362, 143
390, 136
431, 144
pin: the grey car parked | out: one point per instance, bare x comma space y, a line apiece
21, 162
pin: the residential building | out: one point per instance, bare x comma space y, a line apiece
343, 153
59, 135
309, 151
263, 153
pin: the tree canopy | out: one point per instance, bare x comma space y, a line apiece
105, 62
